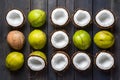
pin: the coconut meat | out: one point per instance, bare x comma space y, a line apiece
81, 61
59, 39
15, 18
59, 16
82, 18
36, 63
104, 61
59, 62
105, 18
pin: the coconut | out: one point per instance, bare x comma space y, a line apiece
59, 17
81, 61
81, 18
37, 61
59, 39
16, 39
60, 61
15, 18
104, 60
105, 19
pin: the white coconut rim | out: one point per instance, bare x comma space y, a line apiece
81, 61
105, 18
35, 63
59, 16
15, 18
59, 39
104, 61
59, 62
82, 18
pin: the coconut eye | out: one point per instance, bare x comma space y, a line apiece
104, 61
59, 39
105, 19
60, 61
15, 18
81, 61
59, 16
81, 18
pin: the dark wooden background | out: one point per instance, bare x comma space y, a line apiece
92, 6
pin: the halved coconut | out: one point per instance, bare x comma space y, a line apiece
81, 61
105, 19
37, 61
59, 39
15, 18
81, 18
104, 60
60, 61
59, 17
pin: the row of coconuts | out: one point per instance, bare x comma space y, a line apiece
59, 39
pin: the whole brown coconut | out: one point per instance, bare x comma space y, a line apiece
16, 39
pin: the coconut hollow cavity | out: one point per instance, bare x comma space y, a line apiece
81, 61
15, 18
81, 18
59, 39
104, 60
60, 61
37, 61
59, 17
105, 19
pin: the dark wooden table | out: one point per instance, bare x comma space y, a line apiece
92, 6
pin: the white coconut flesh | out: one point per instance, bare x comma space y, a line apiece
82, 18
81, 61
59, 39
105, 18
15, 18
59, 16
36, 63
59, 62
104, 61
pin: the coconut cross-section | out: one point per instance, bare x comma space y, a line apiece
37, 61
60, 61
59, 17
81, 61
105, 19
104, 60
81, 18
59, 39
15, 18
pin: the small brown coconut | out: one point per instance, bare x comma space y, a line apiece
81, 61
60, 61
105, 19
16, 39
59, 17
104, 60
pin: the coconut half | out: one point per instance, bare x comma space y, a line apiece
59, 17
81, 61
60, 61
15, 18
36, 61
59, 39
105, 19
81, 18
104, 60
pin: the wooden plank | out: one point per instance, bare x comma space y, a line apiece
97, 6
85, 5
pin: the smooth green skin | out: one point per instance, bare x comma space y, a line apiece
82, 39
14, 61
40, 54
37, 17
104, 39
37, 39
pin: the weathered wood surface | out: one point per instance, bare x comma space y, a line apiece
92, 6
